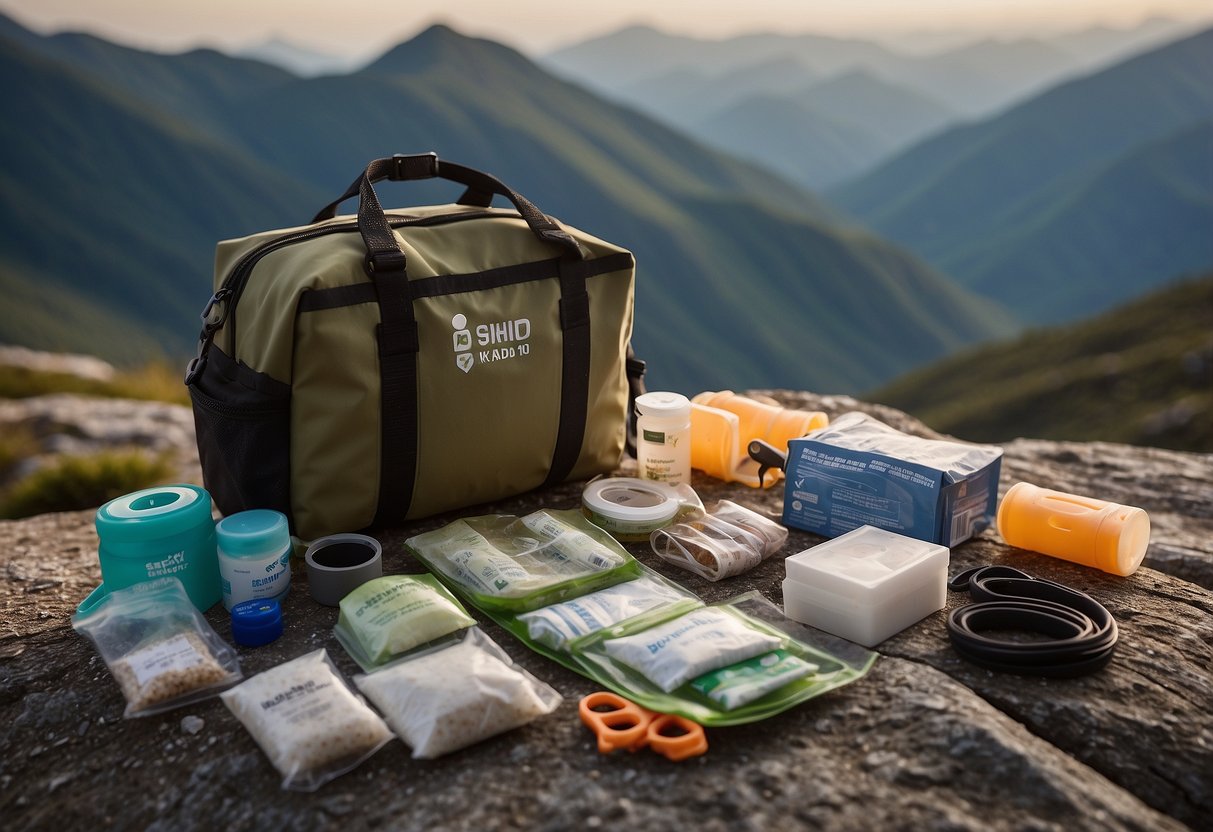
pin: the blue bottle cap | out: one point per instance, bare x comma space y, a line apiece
256, 622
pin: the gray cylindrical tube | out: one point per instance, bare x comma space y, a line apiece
340, 563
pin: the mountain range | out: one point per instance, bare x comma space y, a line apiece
1073, 201
124, 167
821, 110
1141, 373
973, 79
827, 132
298, 59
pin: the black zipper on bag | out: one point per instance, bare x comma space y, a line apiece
233, 286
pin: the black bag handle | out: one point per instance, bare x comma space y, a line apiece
382, 250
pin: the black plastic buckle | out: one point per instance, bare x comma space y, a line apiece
209, 326
380, 262
414, 166
198, 362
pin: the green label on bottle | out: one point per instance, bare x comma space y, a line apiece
654, 436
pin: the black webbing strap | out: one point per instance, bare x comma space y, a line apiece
635, 368
574, 370
398, 346
480, 189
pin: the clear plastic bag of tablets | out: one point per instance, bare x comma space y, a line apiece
158, 647
455, 696
515, 564
727, 541
307, 720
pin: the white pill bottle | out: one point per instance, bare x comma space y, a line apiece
663, 437
254, 549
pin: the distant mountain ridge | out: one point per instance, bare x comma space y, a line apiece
1044, 207
296, 58
839, 309
816, 132
974, 78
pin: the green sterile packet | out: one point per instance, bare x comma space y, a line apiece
395, 614
737, 684
839, 662
508, 564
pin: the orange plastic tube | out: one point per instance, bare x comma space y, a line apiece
722, 425
764, 418
1083, 530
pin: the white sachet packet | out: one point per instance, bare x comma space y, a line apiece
688, 646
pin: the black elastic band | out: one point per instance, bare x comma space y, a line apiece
574, 369
1082, 633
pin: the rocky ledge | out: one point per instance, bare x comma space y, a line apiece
925, 740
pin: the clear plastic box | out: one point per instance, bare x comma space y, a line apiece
866, 585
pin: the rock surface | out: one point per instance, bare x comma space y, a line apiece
924, 740
83, 366
65, 423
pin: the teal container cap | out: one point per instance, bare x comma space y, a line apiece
259, 531
153, 513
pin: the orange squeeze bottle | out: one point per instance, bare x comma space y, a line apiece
764, 418
1082, 530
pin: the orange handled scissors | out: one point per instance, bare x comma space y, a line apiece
620, 723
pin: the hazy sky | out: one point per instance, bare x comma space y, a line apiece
364, 26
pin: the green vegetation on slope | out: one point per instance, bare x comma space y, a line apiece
158, 381
70, 483
116, 206
1082, 245
1140, 374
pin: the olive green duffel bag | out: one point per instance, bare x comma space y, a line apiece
364, 371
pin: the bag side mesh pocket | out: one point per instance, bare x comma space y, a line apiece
242, 419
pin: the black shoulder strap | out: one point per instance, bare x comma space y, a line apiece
574, 370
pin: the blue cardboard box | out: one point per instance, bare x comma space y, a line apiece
861, 472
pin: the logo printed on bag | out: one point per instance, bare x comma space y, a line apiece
462, 340
508, 339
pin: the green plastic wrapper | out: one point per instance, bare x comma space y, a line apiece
834, 661
838, 662
514, 564
395, 614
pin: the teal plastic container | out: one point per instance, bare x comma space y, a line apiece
156, 533
254, 556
